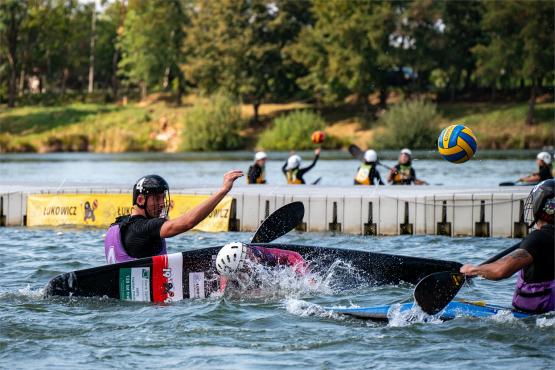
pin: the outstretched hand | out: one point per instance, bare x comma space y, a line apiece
317, 151
229, 179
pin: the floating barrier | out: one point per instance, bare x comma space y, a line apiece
380, 210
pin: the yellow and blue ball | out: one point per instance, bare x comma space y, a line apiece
457, 144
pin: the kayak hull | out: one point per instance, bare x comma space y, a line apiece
452, 310
192, 274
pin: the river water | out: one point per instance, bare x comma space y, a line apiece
284, 328
198, 169
289, 328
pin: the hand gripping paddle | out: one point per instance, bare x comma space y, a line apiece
279, 223
436, 290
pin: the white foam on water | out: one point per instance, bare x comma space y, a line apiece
27, 292
503, 316
545, 322
299, 307
285, 281
398, 318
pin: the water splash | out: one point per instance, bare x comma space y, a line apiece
545, 322
299, 307
414, 315
285, 281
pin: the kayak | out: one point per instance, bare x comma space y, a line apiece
453, 309
193, 274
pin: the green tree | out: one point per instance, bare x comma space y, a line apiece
12, 14
236, 46
520, 44
346, 51
151, 43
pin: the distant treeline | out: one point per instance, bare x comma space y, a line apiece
275, 50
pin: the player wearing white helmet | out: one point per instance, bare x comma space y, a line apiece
403, 173
293, 171
233, 259
367, 173
543, 160
257, 172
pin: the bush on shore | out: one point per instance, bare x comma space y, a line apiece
213, 125
293, 131
410, 124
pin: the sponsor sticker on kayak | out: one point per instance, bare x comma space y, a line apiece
196, 285
134, 284
167, 278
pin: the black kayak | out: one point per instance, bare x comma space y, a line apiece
192, 274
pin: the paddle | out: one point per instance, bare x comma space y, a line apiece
279, 223
436, 290
315, 182
517, 183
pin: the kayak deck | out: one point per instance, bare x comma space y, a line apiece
453, 309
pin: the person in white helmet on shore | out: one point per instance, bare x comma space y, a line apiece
543, 160
293, 171
257, 172
234, 259
367, 172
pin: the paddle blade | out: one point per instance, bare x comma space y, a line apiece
508, 183
436, 290
356, 152
279, 223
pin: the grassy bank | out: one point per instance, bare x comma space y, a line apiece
157, 126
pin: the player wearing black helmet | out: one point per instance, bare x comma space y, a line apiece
535, 286
142, 233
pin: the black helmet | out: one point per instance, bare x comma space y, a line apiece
540, 204
150, 185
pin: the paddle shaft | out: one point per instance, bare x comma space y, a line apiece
501, 254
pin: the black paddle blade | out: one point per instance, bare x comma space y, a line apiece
508, 183
356, 152
279, 223
436, 290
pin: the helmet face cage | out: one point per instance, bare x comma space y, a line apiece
152, 185
529, 211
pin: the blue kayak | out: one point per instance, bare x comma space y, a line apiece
453, 309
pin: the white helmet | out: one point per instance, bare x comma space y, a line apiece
260, 155
545, 157
370, 156
231, 258
293, 162
407, 152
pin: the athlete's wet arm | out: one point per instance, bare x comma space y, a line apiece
193, 217
502, 268
535, 177
302, 171
283, 168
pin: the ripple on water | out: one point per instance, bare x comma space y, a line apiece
280, 324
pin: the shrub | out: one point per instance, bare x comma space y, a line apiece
213, 125
293, 132
411, 124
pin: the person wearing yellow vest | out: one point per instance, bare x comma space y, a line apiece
293, 171
257, 172
403, 173
367, 173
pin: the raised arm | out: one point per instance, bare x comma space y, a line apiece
193, 217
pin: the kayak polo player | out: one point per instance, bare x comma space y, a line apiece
143, 232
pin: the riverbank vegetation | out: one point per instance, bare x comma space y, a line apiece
128, 75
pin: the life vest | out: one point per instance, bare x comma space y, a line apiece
292, 177
113, 247
363, 175
260, 179
402, 176
534, 297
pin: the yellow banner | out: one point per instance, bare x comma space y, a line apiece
102, 209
